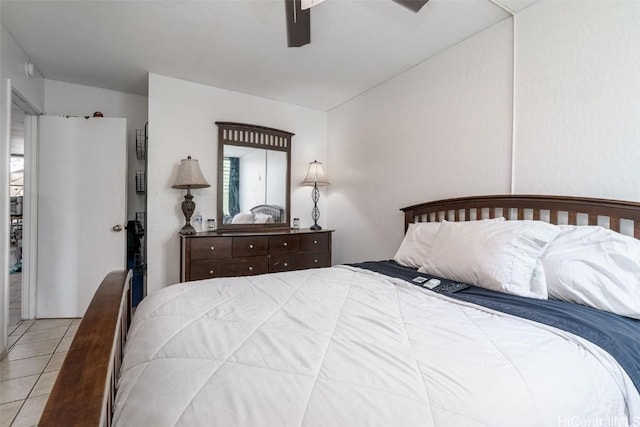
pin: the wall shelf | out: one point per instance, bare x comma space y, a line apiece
141, 144
140, 183
140, 223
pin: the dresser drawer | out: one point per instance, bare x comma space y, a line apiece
203, 269
210, 247
246, 266
284, 244
315, 242
207, 269
315, 260
284, 262
250, 246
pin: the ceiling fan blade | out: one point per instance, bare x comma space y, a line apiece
298, 24
414, 5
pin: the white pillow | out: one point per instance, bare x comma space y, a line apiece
418, 240
243, 218
262, 218
499, 255
416, 244
594, 266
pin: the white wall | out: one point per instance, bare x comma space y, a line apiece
67, 99
252, 179
441, 129
13, 62
578, 109
182, 118
276, 178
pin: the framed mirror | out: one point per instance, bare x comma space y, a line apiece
254, 175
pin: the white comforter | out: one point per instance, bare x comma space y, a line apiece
346, 347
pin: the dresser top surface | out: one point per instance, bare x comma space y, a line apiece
274, 232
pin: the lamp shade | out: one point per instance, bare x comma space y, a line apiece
315, 175
189, 175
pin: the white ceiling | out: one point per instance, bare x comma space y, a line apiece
240, 44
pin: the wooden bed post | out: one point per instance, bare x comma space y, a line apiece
84, 392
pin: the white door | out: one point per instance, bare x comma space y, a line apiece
81, 203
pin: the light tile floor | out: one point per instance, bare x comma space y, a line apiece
37, 349
15, 297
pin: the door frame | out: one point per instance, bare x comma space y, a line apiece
30, 218
30, 206
10, 95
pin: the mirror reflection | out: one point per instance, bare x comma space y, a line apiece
254, 185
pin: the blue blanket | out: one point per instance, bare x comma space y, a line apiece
618, 335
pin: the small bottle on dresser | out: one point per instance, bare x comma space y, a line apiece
197, 221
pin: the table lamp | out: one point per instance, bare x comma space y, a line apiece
315, 177
189, 176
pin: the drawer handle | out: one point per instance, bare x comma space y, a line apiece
286, 264
213, 248
315, 260
250, 246
210, 271
285, 243
315, 242
250, 268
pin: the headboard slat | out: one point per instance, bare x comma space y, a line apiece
536, 214
614, 223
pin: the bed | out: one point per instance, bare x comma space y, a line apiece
260, 214
275, 212
355, 345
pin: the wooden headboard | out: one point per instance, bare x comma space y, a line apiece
275, 211
618, 215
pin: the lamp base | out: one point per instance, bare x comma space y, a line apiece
188, 206
187, 230
315, 212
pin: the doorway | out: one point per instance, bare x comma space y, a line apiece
16, 195
22, 207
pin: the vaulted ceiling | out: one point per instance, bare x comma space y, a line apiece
240, 44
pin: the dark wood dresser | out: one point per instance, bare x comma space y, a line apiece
224, 254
